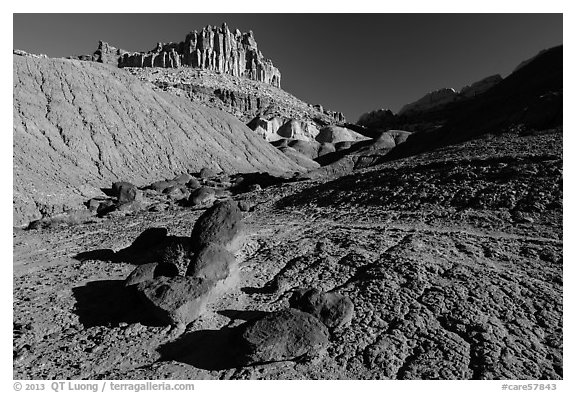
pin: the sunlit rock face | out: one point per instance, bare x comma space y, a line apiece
213, 48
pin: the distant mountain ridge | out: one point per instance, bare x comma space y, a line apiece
437, 109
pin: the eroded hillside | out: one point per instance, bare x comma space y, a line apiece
78, 126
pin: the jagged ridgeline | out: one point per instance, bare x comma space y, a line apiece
213, 48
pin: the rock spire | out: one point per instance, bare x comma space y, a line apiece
213, 48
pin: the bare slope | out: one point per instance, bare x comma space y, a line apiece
80, 125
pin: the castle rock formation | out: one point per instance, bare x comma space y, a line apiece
213, 48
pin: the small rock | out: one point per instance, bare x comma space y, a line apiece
212, 263
39, 224
221, 224
206, 173
254, 187
160, 186
94, 203
238, 180
176, 192
224, 179
132, 206
106, 207
220, 193
332, 308
158, 207
288, 334
183, 178
244, 206
175, 300
193, 184
124, 191
202, 196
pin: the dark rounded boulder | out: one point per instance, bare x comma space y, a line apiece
288, 334
176, 192
212, 262
193, 184
202, 196
105, 207
124, 191
220, 224
183, 178
161, 185
332, 308
175, 300
207, 173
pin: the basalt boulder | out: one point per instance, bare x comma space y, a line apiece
288, 334
182, 178
124, 191
221, 224
213, 263
175, 300
202, 196
161, 185
332, 308
207, 173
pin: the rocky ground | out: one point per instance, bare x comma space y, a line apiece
452, 260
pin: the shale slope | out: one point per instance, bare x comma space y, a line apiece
80, 125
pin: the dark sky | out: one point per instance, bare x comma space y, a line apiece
352, 63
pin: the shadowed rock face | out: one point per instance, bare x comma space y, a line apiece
78, 126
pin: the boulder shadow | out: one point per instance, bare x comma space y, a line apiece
104, 254
211, 350
108, 192
108, 303
268, 289
244, 315
263, 179
152, 245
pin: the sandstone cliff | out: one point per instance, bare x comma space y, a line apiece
248, 100
212, 48
78, 126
